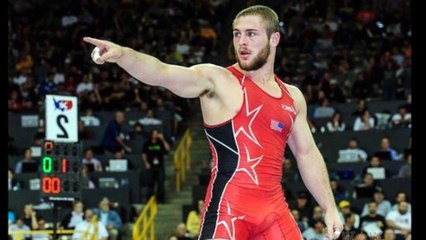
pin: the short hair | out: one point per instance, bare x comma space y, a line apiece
268, 15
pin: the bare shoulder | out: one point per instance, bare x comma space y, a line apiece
211, 71
298, 97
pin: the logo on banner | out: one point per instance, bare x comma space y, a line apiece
62, 105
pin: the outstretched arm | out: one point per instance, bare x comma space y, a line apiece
311, 164
183, 81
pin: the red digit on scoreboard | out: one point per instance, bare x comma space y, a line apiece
51, 185
64, 165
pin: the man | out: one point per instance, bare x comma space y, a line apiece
373, 223
90, 228
153, 154
109, 218
249, 116
113, 138
400, 221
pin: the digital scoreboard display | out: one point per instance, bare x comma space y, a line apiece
60, 171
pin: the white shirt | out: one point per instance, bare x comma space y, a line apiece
400, 220
90, 121
81, 228
84, 87
76, 218
359, 125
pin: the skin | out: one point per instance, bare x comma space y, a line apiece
221, 96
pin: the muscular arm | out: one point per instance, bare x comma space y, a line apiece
311, 163
183, 81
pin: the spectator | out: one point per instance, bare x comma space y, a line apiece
149, 119
193, 220
182, 233
19, 226
41, 227
73, 218
89, 119
113, 138
385, 146
361, 107
303, 206
367, 188
86, 182
336, 123
324, 110
30, 217
316, 231
373, 223
400, 221
383, 205
389, 234
364, 122
401, 197
290, 174
300, 223
361, 89
87, 228
89, 159
27, 159
109, 218
83, 133
402, 118
376, 164
349, 225
345, 210
353, 145
12, 183
154, 150
405, 170
338, 190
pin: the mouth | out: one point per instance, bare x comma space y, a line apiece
244, 54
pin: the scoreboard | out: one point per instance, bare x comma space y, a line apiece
60, 171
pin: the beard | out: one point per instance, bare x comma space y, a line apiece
257, 62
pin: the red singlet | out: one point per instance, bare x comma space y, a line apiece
244, 198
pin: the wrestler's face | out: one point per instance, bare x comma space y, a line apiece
251, 43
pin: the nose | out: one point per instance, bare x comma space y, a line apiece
242, 40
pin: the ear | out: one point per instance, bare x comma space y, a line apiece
275, 39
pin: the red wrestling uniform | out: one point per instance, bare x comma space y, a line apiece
244, 199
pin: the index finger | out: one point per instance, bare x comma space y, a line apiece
94, 41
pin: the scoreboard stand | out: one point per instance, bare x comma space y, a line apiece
60, 175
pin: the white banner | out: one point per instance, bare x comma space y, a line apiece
61, 118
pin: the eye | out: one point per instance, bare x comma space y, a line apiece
237, 34
251, 34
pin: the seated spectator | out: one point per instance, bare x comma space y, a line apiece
324, 110
373, 223
113, 138
27, 159
12, 183
376, 168
193, 220
349, 228
89, 119
73, 218
149, 119
19, 226
109, 218
336, 123
345, 209
89, 159
364, 122
383, 205
353, 145
30, 217
41, 227
303, 206
389, 234
361, 107
400, 221
361, 235
83, 133
405, 170
385, 146
300, 223
402, 118
316, 231
401, 197
290, 173
90, 226
86, 182
338, 191
367, 188
182, 233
